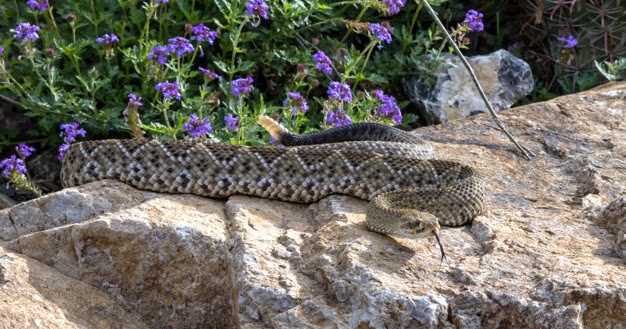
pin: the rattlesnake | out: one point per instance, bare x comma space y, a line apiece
410, 192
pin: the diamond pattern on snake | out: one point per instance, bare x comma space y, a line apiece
410, 192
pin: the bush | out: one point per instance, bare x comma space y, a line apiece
79, 61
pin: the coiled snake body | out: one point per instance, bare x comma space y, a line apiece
410, 192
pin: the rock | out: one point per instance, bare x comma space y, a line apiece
37, 296
547, 254
504, 78
6, 202
45, 169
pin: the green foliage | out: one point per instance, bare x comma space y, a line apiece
612, 71
66, 75
598, 26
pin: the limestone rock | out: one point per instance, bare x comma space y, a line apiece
504, 78
549, 253
36, 296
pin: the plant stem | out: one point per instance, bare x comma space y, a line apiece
231, 71
369, 50
240, 115
525, 151
343, 40
10, 101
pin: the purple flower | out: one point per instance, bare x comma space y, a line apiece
180, 46
274, 141
202, 33
340, 91
24, 150
209, 74
569, 42
1, 49
388, 106
160, 52
34, 4
197, 127
298, 103
12, 163
322, 62
231, 122
161, 1
394, 5
257, 8
62, 149
340, 118
381, 32
169, 89
69, 133
134, 101
26, 32
108, 40
474, 20
241, 86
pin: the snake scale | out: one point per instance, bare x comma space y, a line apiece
410, 192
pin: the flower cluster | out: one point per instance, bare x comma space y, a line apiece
25, 32
231, 122
394, 5
34, 4
160, 53
339, 118
69, 133
131, 115
241, 87
202, 33
197, 127
134, 101
209, 74
24, 150
388, 107
322, 62
381, 32
474, 20
298, 103
14, 168
169, 89
257, 8
569, 42
340, 91
180, 46
108, 40
13, 164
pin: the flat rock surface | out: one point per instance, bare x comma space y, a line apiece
548, 253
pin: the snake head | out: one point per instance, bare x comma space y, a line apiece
418, 224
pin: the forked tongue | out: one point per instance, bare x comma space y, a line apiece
443, 253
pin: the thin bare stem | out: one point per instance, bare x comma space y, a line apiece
525, 151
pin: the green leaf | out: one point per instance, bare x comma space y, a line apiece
221, 66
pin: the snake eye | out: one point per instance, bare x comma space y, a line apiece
413, 226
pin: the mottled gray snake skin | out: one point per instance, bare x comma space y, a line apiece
395, 170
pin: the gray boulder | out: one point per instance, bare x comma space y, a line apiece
504, 78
